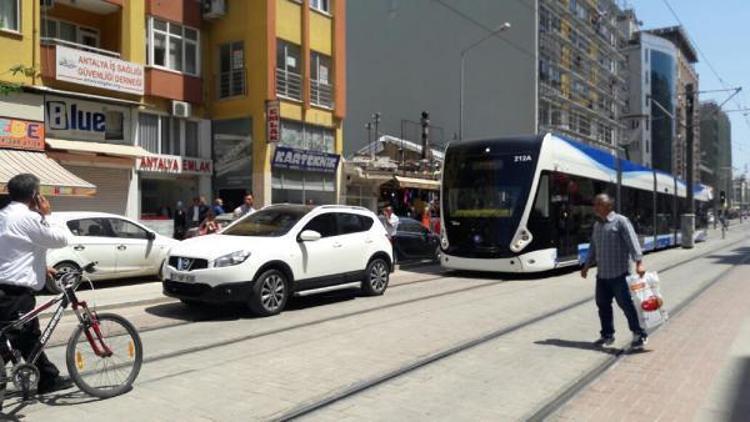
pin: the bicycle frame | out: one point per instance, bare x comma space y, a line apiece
85, 318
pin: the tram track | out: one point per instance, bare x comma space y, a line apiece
547, 409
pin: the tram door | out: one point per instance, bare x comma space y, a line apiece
561, 204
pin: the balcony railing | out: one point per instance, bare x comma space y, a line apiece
232, 83
288, 84
321, 94
83, 47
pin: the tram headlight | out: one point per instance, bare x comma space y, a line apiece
522, 238
444, 240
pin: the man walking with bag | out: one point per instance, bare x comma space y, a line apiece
613, 244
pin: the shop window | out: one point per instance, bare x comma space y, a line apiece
321, 5
174, 46
231, 69
10, 15
288, 70
321, 90
308, 137
114, 126
70, 32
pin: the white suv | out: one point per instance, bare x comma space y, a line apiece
264, 257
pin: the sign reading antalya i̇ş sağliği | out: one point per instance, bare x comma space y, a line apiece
98, 70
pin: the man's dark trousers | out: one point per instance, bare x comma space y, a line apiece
617, 288
14, 302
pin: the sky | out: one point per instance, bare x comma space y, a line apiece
719, 30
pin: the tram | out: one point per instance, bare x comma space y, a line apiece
524, 204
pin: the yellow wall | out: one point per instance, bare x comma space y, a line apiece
321, 33
289, 21
19, 48
133, 31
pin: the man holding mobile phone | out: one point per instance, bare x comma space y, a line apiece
25, 236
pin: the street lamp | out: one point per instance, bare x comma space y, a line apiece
500, 29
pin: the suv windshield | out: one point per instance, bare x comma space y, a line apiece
271, 222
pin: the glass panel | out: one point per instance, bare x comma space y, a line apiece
148, 132
165, 136
126, 229
160, 25
176, 136
324, 224
113, 124
273, 222
191, 34
291, 134
191, 139
9, 14
224, 58
191, 58
175, 53
160, 49
49, 28
94, 227
238, 55
68, 32
175, 29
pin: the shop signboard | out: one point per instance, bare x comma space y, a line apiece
299, 159
97, 70
21, 134
273, 121
171, 164
75, 119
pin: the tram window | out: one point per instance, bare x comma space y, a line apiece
643, 215
664, 213
541, 205
628, 207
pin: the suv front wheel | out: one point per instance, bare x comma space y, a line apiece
376, 277
270, 293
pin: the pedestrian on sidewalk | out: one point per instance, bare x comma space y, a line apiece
613, 244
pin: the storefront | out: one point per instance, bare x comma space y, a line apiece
22, 135
166, 180
94, 140
303, 176
233, 161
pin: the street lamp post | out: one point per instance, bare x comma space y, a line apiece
501, 28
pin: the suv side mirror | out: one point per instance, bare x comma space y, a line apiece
150, 235
309, 236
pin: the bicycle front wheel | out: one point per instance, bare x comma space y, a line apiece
105, 366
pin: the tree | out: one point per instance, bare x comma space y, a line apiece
7, 88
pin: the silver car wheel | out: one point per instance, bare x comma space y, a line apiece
272, 292
378, 276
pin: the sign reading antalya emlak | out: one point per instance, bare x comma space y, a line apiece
98, 70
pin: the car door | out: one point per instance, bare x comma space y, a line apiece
320, 258
408, 239
427, 243
133, 249
354, 243
93, 241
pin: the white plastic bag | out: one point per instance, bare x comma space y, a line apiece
647, 299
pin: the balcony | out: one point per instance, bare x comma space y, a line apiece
288, 85
321, 94
81, 64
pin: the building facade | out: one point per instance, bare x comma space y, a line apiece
716, 148
557, 68
138, 97
278, 99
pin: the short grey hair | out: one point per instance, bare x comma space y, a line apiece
605, 199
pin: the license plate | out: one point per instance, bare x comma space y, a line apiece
184, 278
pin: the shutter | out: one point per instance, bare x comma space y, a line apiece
111, 191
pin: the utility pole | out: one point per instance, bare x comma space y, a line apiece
688, 219
376, 119
368, 126
425, 120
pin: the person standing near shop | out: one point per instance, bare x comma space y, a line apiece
613, 244
218, 207
197, 212
180, 221
25, 237
246, 207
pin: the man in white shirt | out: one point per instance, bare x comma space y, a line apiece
390, 221
245, 208
25, 237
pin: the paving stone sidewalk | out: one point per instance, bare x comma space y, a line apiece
686, 371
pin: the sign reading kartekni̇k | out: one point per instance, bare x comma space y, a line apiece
297, 159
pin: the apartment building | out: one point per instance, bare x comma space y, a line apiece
136, 97
716, 148
557, 68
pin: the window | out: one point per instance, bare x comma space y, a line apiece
352, 223
114, 126
288, 70
231, 69
324, 224
302, 136
10, 15
70, 32
321, 91
93, 227
321, 5
127, 230
174, 46
168, 135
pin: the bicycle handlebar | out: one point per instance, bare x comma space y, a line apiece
72, 279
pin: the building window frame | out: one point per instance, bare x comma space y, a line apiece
288, 82
94, 32
169, 34
236, 73
323, 6
177, 130
321, 89
17, 29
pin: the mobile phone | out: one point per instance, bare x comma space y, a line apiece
37, 199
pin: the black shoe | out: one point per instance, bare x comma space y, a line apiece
57, 384
604, 341
639, 340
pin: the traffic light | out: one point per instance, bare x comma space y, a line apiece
723, 197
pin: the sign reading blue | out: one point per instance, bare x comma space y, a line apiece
297, 159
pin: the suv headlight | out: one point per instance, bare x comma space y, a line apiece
233, 258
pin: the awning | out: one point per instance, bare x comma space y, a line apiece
55, 180
413, 182
98, 148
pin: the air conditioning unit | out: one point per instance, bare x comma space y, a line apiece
213, 9
47, 4
180, 109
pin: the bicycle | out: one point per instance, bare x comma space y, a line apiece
103, 354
